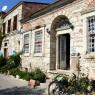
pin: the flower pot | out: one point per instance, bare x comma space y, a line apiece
32, 83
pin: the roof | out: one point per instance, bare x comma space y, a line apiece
47, 9
20, 3
90, 7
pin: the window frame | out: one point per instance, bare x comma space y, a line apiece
9, 25
90, 34
27, 53
4, 28
15, 24
84, 17
41, 53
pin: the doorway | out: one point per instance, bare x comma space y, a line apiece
64, 51
6, 53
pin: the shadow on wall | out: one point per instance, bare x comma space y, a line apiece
21, 91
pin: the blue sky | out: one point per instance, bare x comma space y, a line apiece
11, 3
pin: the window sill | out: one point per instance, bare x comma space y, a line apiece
38, 54
90, 56
26, 54
59, 71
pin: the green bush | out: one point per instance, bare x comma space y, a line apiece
26, 76
2, 61
14, 71
36, 75
39, 75
15, 59
22, 74
4, 69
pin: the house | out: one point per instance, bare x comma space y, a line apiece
12, 26
2, 14
59, 38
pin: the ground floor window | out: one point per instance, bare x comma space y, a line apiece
26, 43
38, 42
91, 34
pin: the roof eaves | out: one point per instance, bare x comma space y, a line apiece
88, 11
36, 2
47, 9
21, 2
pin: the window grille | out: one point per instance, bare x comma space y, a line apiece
91, 34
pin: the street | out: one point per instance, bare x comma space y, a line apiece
12, 86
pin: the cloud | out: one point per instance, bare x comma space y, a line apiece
4, 8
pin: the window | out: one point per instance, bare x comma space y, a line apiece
26, 43
91, 34
9, 26
4, 28
38, 42
5, 44
15, 23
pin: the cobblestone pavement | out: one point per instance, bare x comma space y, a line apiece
11, 86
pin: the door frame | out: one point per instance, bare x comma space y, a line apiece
60, 32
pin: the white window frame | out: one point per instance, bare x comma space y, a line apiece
27, 54
91, 34
85, 32
42, 53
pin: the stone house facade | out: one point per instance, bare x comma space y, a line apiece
12, 25
59, 38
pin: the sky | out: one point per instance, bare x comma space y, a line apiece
8, 4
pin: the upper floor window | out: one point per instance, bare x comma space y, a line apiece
26, 43
4, 28
9, 26
91, 34
15, 23
38, 42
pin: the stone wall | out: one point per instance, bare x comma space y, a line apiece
77, 37
10, 15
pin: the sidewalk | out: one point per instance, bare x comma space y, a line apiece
12, 86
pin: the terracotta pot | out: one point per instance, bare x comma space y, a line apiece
32, 83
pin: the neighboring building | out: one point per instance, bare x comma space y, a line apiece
2, 14
55, 39
12, 26
60, 37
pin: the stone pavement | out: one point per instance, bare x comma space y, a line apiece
12, 86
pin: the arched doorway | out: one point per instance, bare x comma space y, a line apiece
60, 43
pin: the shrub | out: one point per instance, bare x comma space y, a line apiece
15, 59
26, 76
39, 75
14, 71
4, 69
2, 61
22, 74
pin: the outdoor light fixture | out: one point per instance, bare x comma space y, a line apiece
48, 31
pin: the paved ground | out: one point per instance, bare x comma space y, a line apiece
11, 86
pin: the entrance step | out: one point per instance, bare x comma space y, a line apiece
54, 73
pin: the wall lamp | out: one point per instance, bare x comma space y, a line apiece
48, 31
